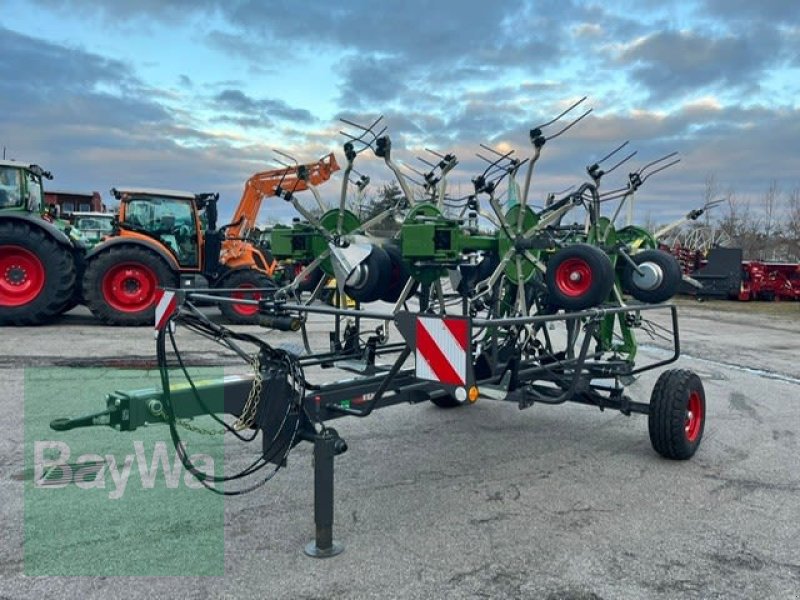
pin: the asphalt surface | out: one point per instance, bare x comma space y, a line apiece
484, 501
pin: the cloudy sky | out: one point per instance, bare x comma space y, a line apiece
195, 94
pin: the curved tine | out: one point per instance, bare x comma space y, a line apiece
610, 193
666, 166
543, 125
564, 191
359, 126
286, 155
656, 161
713, 203
570, 126
622, 162
434, 153
422, 160
612, 153
500, 154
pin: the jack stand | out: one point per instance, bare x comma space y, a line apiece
327, 444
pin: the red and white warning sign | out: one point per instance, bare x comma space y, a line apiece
442, 349
166, 304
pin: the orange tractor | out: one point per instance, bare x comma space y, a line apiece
167, 238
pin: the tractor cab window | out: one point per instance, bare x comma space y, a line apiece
10, 187
35, 196
170, 220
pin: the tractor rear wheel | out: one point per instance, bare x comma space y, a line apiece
119, 285
579, 277
249, 285
677, 415
37, 275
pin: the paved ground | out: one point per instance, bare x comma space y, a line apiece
481, 502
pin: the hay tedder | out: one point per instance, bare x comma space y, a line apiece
481, 297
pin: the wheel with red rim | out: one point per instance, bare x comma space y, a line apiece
37, 274
579, 277
310, 281
248, 284
677, 415
120, 284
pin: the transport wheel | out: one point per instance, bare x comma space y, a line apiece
677, 414
371, 278
249, 285
659, 280
579, 277
447, 401
37, 275
398, 276
310, 281
120, 285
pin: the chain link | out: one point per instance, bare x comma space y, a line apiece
248, 415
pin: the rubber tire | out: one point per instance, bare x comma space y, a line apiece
602, 277
447, 401
59, 275
98, 266
398, 276
243, 277
671, 277
666, 420
310, 281
379, 271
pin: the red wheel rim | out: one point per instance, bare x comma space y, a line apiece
574, 277
245, 310
694, 416
130, 287
21, 276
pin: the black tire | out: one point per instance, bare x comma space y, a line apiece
50, 262
245, 279
120, 283
661, 280
579, 277
677, 415
310, 281
398, 277
447, 401
372, 277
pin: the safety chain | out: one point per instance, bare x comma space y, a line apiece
248, 415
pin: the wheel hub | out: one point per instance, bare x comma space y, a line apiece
16, 275
650, 278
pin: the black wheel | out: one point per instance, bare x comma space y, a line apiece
398, 276
310, 281
249, 285
659, 279
677, 414
120, 284
446, 401
579, 277
371, 278
37, 275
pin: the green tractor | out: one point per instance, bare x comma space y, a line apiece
40, 256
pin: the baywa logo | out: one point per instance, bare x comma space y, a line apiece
54, 470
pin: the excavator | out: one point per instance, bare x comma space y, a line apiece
168, 238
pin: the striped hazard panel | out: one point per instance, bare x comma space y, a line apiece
442, 349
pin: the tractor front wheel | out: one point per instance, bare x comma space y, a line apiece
120, 285
247, 284
677, 415
37, 275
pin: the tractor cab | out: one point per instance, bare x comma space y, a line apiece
168, 216
21, 186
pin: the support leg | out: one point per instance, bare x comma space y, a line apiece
326, 446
